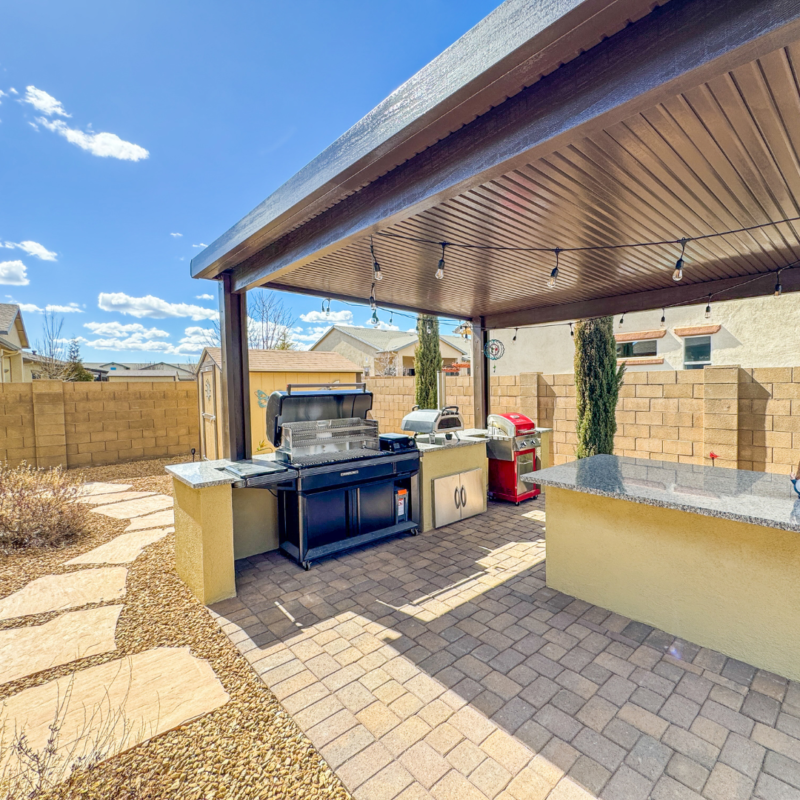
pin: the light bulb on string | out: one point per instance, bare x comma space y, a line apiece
663, 318
778, 287
440, 268
708, 308
375, 320
622, 319
551, 282
515, 335
391, 317
571, 331
677, 275
376, 267
372, 304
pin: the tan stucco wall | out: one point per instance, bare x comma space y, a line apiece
755, 331
441, 463
721, 584
204, 541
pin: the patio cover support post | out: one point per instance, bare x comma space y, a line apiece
235, 372
480, 373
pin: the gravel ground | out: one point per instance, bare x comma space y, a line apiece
249, 748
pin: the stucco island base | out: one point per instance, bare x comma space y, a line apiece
725, 585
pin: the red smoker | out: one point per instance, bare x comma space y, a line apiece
511, 445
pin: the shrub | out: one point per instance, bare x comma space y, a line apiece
39, 507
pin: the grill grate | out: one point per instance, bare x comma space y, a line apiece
329, 435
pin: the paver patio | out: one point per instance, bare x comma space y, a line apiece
442, 666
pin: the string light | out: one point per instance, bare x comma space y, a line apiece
677, 275
440, 269
622, 319
551, 283
372, 304
778, 287
429, 328
708, 308
515, 335
571, 331
663, 317
375, 320
376, 267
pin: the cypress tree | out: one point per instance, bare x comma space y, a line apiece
427, 361
597, 382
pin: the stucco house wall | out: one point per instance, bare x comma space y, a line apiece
759, 331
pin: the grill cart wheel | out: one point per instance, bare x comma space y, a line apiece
306, 565
415, 531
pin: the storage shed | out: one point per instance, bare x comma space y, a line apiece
270, 370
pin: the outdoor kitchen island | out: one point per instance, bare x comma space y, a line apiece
708, 554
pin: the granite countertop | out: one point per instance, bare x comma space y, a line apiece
203, 474
758, 498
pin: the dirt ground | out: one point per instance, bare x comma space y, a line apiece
248, 748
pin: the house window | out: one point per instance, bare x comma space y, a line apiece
696, 352
647, 347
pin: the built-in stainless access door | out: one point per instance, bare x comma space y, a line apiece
473, 493
524, 466
446, 500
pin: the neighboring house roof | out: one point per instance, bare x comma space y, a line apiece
388, 341
6, 345
290, 361
10, 315
183, 371
148, 373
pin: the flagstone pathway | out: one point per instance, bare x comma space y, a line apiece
110, 707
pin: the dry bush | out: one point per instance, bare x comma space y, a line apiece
39, 507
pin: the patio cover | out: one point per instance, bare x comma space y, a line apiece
551, 125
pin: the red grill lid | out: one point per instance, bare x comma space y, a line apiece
521, 423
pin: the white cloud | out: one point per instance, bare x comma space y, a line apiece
128, 343
205, 296
381, 326
2, 95
103, 145
200, 245
33, 249
13, 90
34, 126
176, 235
119, 329
152, 307
72, 308
311, 335
43, 102
13, 273
194, 340
30, 308
332, 317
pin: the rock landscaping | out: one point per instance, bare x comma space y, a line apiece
120, 680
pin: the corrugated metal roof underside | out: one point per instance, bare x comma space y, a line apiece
721, 156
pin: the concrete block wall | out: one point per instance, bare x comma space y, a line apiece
50, 423
749, 418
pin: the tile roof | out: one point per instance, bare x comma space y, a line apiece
292, 361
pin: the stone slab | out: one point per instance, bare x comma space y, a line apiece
135, 508
76, 634
57, 592
157, 520
122, 549
113, 497
111, 707
97, 487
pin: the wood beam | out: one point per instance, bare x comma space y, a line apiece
693, 294
480, 373
675, 48
236, 443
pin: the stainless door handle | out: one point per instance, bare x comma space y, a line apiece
456, 498
463, 497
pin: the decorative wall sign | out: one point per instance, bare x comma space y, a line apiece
262, 398
494, 349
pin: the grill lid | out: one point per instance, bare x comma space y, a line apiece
316, 401
433, 420
509, 425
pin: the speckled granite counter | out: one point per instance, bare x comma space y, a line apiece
204, 474
705, 553
466, 438
757, 498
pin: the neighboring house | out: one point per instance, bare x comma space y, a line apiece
103, 370
142, 376
380, 352
754, 332
270, 370
13, 339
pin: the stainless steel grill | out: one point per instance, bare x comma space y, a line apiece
328, 440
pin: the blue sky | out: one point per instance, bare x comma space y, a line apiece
132, 133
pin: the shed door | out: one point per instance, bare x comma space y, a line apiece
208, 405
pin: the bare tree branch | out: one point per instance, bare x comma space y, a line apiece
52, 348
